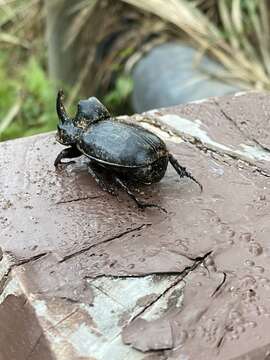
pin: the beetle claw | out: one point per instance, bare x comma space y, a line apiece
182, 171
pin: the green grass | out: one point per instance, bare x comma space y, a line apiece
117, 96
32, 95
27, 97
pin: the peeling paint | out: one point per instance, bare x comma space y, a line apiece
85, 342
159, 307
8, 286
135, 288
194, 128
98, 334
256, 152
161, 133
5, 265
11, 288
40, 308
142, 120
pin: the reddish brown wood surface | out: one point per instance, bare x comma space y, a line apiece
71, 250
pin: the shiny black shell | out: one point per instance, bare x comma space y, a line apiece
128, 148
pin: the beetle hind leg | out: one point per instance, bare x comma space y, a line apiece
100, 180
182, 171
140, 204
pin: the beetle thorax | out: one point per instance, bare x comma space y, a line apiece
89, 112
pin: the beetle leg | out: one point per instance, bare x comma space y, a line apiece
100, 181
140, 204
67, 153
182, 171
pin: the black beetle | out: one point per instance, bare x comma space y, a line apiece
127, 151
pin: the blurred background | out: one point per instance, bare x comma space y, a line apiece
134, 55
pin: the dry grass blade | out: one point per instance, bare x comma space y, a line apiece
254, 16
13, 40
85, 11
76, 89
237, 16
264, 15
82, 5
181, 13
265, 34
246, 66
229, 30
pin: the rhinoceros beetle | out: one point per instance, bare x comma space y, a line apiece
128, 152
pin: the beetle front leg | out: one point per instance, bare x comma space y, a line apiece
68, 153
140, 204
182, 171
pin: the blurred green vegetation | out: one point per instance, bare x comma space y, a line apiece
117, 97
27, 96
218, 28
26, 100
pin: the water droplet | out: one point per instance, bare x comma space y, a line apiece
235, 315
264, 281
235, 336
248, 282
249, 263
251, 324
231, 233
183, 335
263, 310
209, 261
246, 237
191, 333
240, 329
255, 249
260, 269
28, 207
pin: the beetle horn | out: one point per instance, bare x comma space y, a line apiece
60, 108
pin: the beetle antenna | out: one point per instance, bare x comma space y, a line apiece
60, 108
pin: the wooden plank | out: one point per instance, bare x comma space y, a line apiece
86, 262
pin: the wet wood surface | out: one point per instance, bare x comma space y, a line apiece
101, 279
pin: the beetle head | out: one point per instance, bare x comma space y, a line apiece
67, 133
90, 111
